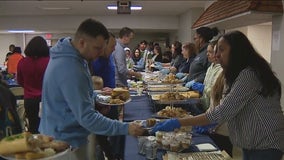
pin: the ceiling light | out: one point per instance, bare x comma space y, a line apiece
55, 8
136, 8
114, 7
21, 31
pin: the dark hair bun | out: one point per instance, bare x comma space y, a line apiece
207, 33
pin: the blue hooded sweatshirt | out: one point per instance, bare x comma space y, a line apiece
68, 108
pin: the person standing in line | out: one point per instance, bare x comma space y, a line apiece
11, 50
129, 60
13, 60
136, 56
145, 55
251, 104
104, 67
68, 112
121, 71
30, 76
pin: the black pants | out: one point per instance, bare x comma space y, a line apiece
105, 144
32, 109
223, 142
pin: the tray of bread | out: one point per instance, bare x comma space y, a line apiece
119, 96
27, 146
175, 96
171, 79
171, 112
166, 88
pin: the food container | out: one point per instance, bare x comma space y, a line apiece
151, 148
141, 144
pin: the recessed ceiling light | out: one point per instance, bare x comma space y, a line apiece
136, 8
114, 7
54, 8
21, 31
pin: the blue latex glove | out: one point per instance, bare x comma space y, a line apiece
165, 71
159, 67
158, 64
184, 79
168, 125
198, 87
205, 129
180, 75
189, 84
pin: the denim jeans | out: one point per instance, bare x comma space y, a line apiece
265, 154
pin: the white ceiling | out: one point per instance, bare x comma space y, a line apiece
24, 12
95, 7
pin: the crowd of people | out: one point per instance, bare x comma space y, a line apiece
240, 102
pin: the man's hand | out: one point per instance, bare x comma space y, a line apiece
135, 129
107, 91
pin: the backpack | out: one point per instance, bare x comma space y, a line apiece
9, 119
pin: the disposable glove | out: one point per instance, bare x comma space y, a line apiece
158, 64
168, 125
159, 67
165, 71
184, 79
180, 75
189, 84
198, 87
205, 129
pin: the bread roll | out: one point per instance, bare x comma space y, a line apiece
34, 155
150, 122
16, 143
120, 93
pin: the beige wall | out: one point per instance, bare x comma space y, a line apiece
260, 37
277, 51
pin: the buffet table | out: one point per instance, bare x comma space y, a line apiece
140, 108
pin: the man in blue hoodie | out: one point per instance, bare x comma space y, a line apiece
68, 108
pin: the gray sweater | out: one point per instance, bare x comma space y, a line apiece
199, 66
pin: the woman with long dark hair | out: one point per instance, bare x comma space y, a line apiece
251, 104
30, 76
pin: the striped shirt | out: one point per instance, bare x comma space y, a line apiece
254, 122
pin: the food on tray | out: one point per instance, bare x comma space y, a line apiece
116, 101
29, 146
173, 141
118, 96
103, 98
16, 143
175, 88
175, 96
172, 112
120, 93
171, 79
193, 94
150, 122
169, 96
